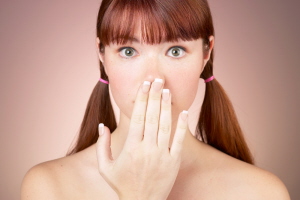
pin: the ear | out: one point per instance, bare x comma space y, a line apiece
99, 51
211, 46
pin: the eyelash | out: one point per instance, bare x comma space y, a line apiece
122, 48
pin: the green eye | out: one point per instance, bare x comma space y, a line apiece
176, 52
127, 52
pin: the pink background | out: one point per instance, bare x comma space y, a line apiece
49, 67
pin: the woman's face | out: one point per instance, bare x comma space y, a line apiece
179, 64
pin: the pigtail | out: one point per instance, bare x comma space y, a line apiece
98, 110
218, 125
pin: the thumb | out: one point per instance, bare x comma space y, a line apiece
104, 155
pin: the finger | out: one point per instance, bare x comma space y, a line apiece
153, 112
179, 136
103, 149
137, 121
165, 121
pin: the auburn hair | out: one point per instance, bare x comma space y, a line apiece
164, 20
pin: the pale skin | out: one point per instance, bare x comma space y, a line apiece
145, 162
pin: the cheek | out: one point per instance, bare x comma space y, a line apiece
123, 84
123, 95
184, 87
184, 91
118, 72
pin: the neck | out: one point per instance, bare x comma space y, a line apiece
189, 150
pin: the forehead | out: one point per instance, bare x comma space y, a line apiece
150, 22
138, 36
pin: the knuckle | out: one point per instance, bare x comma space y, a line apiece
138, 119
155, 97
132, 152
152, 119
142, 98
177, 157
181, 126
130, 146
164, 128
179, 142
166, 107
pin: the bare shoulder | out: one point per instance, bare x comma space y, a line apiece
241, 180
41, 181
266, 184
72, 177
49, 180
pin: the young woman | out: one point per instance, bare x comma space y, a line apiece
152, 55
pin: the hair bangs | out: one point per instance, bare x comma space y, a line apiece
159, 21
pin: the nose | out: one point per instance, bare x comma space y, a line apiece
153, 69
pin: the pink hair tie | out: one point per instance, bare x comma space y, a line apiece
209, 79
103, 81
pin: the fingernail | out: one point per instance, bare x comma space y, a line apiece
166, 94
101, 129
184, 115
146, 86
157, 84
